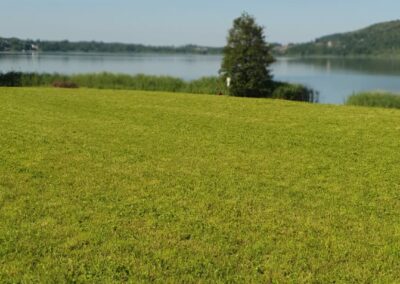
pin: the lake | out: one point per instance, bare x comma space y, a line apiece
333, 78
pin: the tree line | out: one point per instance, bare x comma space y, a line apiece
18, 45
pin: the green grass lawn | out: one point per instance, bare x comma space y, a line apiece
111, 186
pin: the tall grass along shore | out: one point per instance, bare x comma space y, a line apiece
375, 99
205, 85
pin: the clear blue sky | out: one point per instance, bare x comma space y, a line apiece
177, 22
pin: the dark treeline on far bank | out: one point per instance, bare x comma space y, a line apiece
18, 45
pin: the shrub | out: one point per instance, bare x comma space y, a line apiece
65, 84
11, 79
294, 92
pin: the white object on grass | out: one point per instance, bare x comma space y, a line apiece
228, 81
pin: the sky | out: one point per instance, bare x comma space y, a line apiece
179, 22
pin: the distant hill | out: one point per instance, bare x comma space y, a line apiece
17, 45
378, 39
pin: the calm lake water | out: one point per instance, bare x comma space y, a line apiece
334, 78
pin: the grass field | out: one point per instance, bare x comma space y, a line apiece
112, 186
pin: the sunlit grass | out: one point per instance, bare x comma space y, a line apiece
112, 186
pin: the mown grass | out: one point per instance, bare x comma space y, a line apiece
375, 99
113, 186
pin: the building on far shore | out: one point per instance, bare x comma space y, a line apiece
34, 47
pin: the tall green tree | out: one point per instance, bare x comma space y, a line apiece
246, 60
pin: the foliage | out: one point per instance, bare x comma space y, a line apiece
11, 79
294, 92
106, 186
14, 44
65, 84
109, 81
375, 99
246, 59
123, 81
20, 79
378, 39
206, 85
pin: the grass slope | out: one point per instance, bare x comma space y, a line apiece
112, 186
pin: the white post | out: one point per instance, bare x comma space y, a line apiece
228, 81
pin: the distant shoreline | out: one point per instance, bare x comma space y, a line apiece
279, 57
105, 53
20, 45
